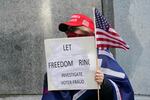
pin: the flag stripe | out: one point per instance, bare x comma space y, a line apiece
100, 32
113, 32
118, 95
113, 73
78, 94
104, 46
111, 41
109, 45
103, 36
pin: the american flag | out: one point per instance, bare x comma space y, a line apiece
106, 36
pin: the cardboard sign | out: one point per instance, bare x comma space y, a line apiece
71, 63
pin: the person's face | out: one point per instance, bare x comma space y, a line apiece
78, 32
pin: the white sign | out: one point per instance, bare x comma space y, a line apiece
71, 63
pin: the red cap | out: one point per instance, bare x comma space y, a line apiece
77, 20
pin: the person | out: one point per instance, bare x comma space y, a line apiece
81, 25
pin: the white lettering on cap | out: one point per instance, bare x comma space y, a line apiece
85, 22
75, 16
73, 20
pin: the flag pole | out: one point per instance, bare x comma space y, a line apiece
97, 65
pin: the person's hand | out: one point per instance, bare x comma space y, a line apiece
99, 77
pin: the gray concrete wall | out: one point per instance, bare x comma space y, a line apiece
21, 97
21, 47
132, 19
24, 24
